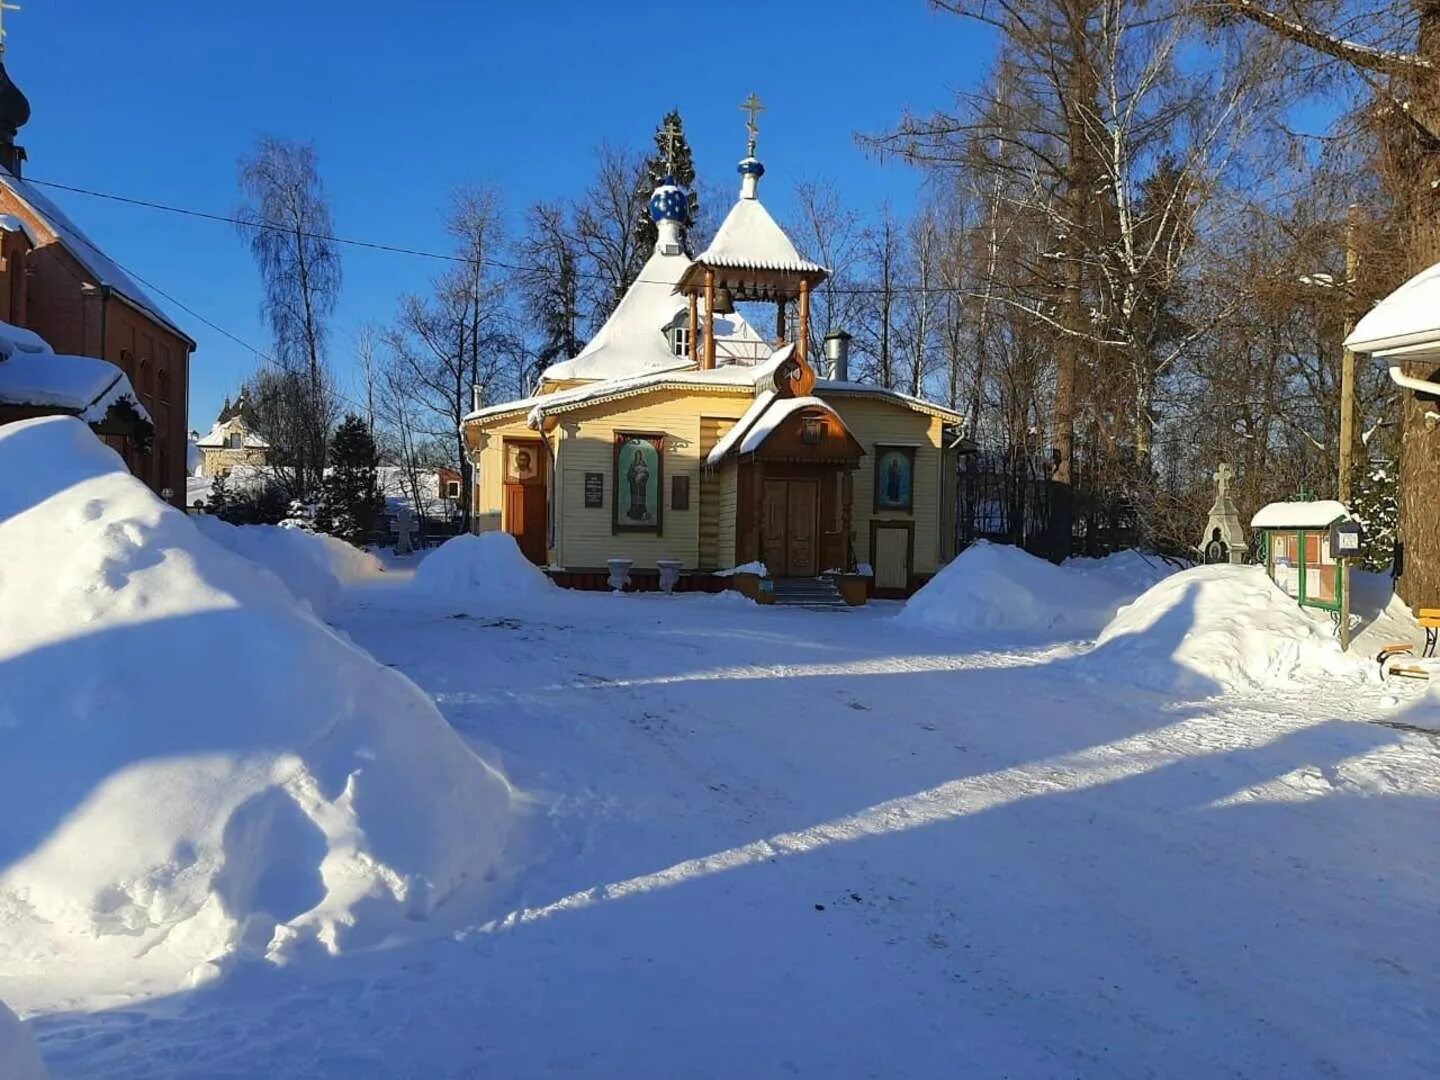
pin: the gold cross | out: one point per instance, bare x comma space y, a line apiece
752, 106
670, 134
4, 7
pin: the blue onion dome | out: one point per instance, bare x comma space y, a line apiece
669, 202
751, 166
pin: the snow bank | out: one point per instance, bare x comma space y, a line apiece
313, 566
1220, 627
485, 570
997, 588
19, 1056
192, 765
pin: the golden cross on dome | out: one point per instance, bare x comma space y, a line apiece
753, 107
670, 134
4, 7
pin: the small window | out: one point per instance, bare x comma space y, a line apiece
163, 382
812, 430
680, 340
452, 489
234, 441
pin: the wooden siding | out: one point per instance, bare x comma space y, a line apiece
585, 536
874, 422
490, 471
712, 430
728, 476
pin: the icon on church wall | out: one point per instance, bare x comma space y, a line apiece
522, 463
894, 476
639, 480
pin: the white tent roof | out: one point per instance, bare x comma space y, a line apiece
749, 237
1405, 322
1319, 514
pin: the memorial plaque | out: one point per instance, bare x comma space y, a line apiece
594, 490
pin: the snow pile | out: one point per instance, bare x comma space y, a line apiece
997, 588
485, 570
1216, 628
19, 1057
313, 566
192, 765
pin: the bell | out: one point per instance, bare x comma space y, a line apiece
724, 302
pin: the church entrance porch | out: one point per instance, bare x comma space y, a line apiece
790, 522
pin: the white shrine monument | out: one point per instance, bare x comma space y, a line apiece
1224, 538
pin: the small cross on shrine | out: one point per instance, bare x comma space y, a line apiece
1223, 476
753, 107
404, 531
670, 134
4, 7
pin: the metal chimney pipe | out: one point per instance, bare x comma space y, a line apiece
477, 397
837, 352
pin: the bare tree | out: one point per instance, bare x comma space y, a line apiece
830, 233
605, 228
285, 220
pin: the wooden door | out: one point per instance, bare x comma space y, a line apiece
891, 557
802, 509
772, 525
525, 519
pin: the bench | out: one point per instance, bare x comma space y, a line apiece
1414, 667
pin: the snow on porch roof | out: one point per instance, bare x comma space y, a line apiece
1320, 514
1408, 319
771, 419
75, 384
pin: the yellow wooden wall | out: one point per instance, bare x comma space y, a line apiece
585, 537
877, 422
691, 423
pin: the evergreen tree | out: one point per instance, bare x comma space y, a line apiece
219, 501
1375, 504
656, 170
350, 496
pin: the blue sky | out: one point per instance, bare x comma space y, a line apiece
407, 101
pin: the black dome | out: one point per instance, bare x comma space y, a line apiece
14, 106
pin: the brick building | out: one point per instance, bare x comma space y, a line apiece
57, 282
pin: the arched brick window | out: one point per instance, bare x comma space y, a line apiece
163, 383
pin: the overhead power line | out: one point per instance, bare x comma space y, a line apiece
397, 249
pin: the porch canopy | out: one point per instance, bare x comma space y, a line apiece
1404, 327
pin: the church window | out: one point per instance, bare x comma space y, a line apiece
163, 381
812, 430
234, 441
680, 340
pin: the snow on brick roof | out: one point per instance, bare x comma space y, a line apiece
75, 384
1319, 514
1408, 319
90, 255
776, 415
749, 237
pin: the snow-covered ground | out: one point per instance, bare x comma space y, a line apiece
754, 841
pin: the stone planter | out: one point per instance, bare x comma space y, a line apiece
619, 573
669, 573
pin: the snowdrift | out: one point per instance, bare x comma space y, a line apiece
1215, 628
19, 1057
313, 566
192, 765
487, 570
996, 588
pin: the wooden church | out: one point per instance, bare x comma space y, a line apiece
680, 433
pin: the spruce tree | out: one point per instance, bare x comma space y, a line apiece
350, 496
219, 501
654, 174
1375, 504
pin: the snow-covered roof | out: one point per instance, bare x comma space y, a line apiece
633, 340
80, 385
1318, 514
215, 438
749, 237
1407, 321
767, 423
106, 271
855, 389
732, 437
